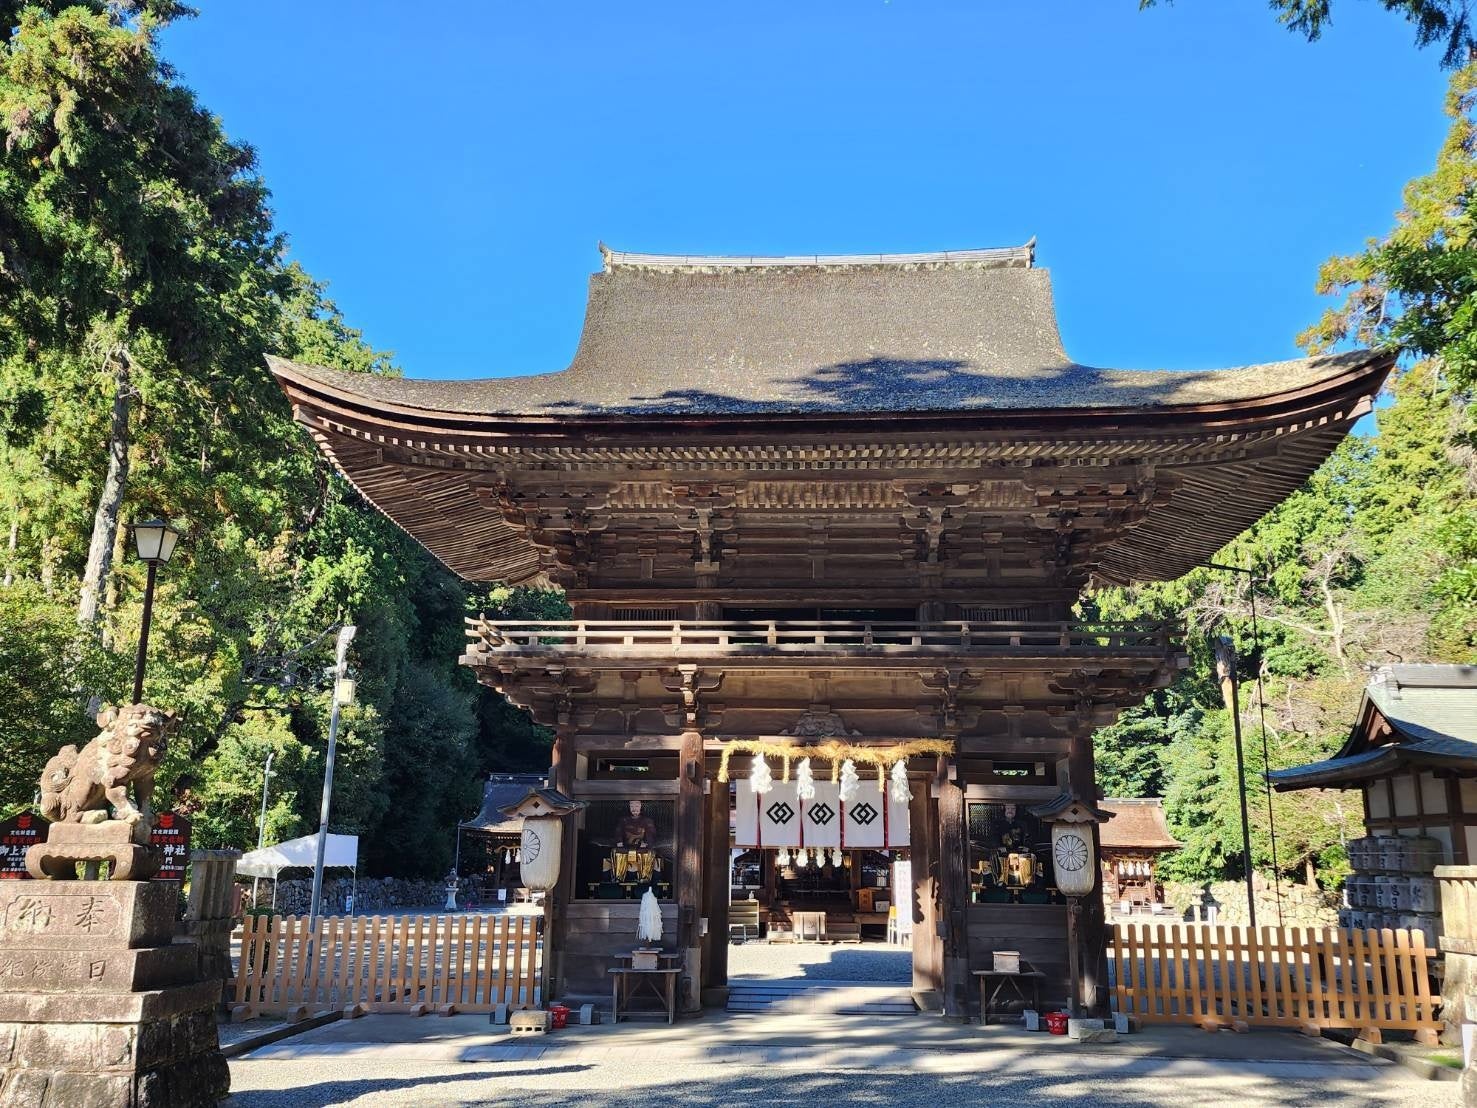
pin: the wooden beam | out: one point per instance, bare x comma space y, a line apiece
632, 790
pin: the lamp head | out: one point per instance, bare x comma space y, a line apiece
154, 540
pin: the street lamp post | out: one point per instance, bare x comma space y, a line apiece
154, 541
261, 823
343, 693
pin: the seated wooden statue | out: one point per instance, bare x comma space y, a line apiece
633, 857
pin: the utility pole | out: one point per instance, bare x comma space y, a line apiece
341, 685
1225, 670
261, 823
1261, 708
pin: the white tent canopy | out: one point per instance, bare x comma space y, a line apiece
342, 851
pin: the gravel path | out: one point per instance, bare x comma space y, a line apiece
1096, 1080
812, 961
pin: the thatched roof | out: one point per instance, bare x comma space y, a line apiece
952, 331
881, 367
1136, 825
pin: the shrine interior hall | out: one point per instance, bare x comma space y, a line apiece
837, 511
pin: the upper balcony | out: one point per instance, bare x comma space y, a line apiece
624, 641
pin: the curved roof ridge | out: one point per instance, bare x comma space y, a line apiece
998, 257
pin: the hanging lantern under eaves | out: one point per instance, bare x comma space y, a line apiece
542, 845
1073, 843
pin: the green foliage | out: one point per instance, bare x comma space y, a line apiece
1372, 561
508, 738
138, 260
1415, 290
39, 668
1443, 23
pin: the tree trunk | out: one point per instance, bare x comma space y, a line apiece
110, 594
15, 530
1310, 873
1335, 623
109, 501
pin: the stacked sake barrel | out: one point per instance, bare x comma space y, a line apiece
1392, 886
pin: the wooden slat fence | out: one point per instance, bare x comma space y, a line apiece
1306, 977
413, 964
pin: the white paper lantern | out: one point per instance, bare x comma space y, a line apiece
1074, 858
543, 840
783, 857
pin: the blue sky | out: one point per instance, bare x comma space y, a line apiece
450, 168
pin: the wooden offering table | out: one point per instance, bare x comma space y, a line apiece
990, 994
627, 981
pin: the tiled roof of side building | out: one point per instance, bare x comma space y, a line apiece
1432, 710
966, 331
500, 791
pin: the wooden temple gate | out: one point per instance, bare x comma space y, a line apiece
780, 513
1313, 978
406, 964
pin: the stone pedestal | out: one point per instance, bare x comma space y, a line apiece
209, 920
122, 846
99, 1007
1458, 885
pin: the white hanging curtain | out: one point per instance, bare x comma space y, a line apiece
872, 820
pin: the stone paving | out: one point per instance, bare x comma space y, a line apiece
774, 1059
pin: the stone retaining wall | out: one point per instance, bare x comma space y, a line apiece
372, 894
1301, 906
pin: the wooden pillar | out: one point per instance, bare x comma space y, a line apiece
556, 916
921, 900
1092, 930
689, 883
953, 877
715, 949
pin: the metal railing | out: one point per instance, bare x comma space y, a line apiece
796, 636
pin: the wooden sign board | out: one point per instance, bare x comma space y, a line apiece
171, 841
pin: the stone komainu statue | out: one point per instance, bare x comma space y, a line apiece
128, 751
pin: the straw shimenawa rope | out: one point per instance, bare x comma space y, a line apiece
835, 752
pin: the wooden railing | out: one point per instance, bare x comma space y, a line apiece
411, 964
1312, 978
794, 636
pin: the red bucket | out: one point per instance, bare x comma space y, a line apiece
559, 1017
1056, 1022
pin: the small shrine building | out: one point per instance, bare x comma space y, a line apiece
487, 845
1130, 846
840, 507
